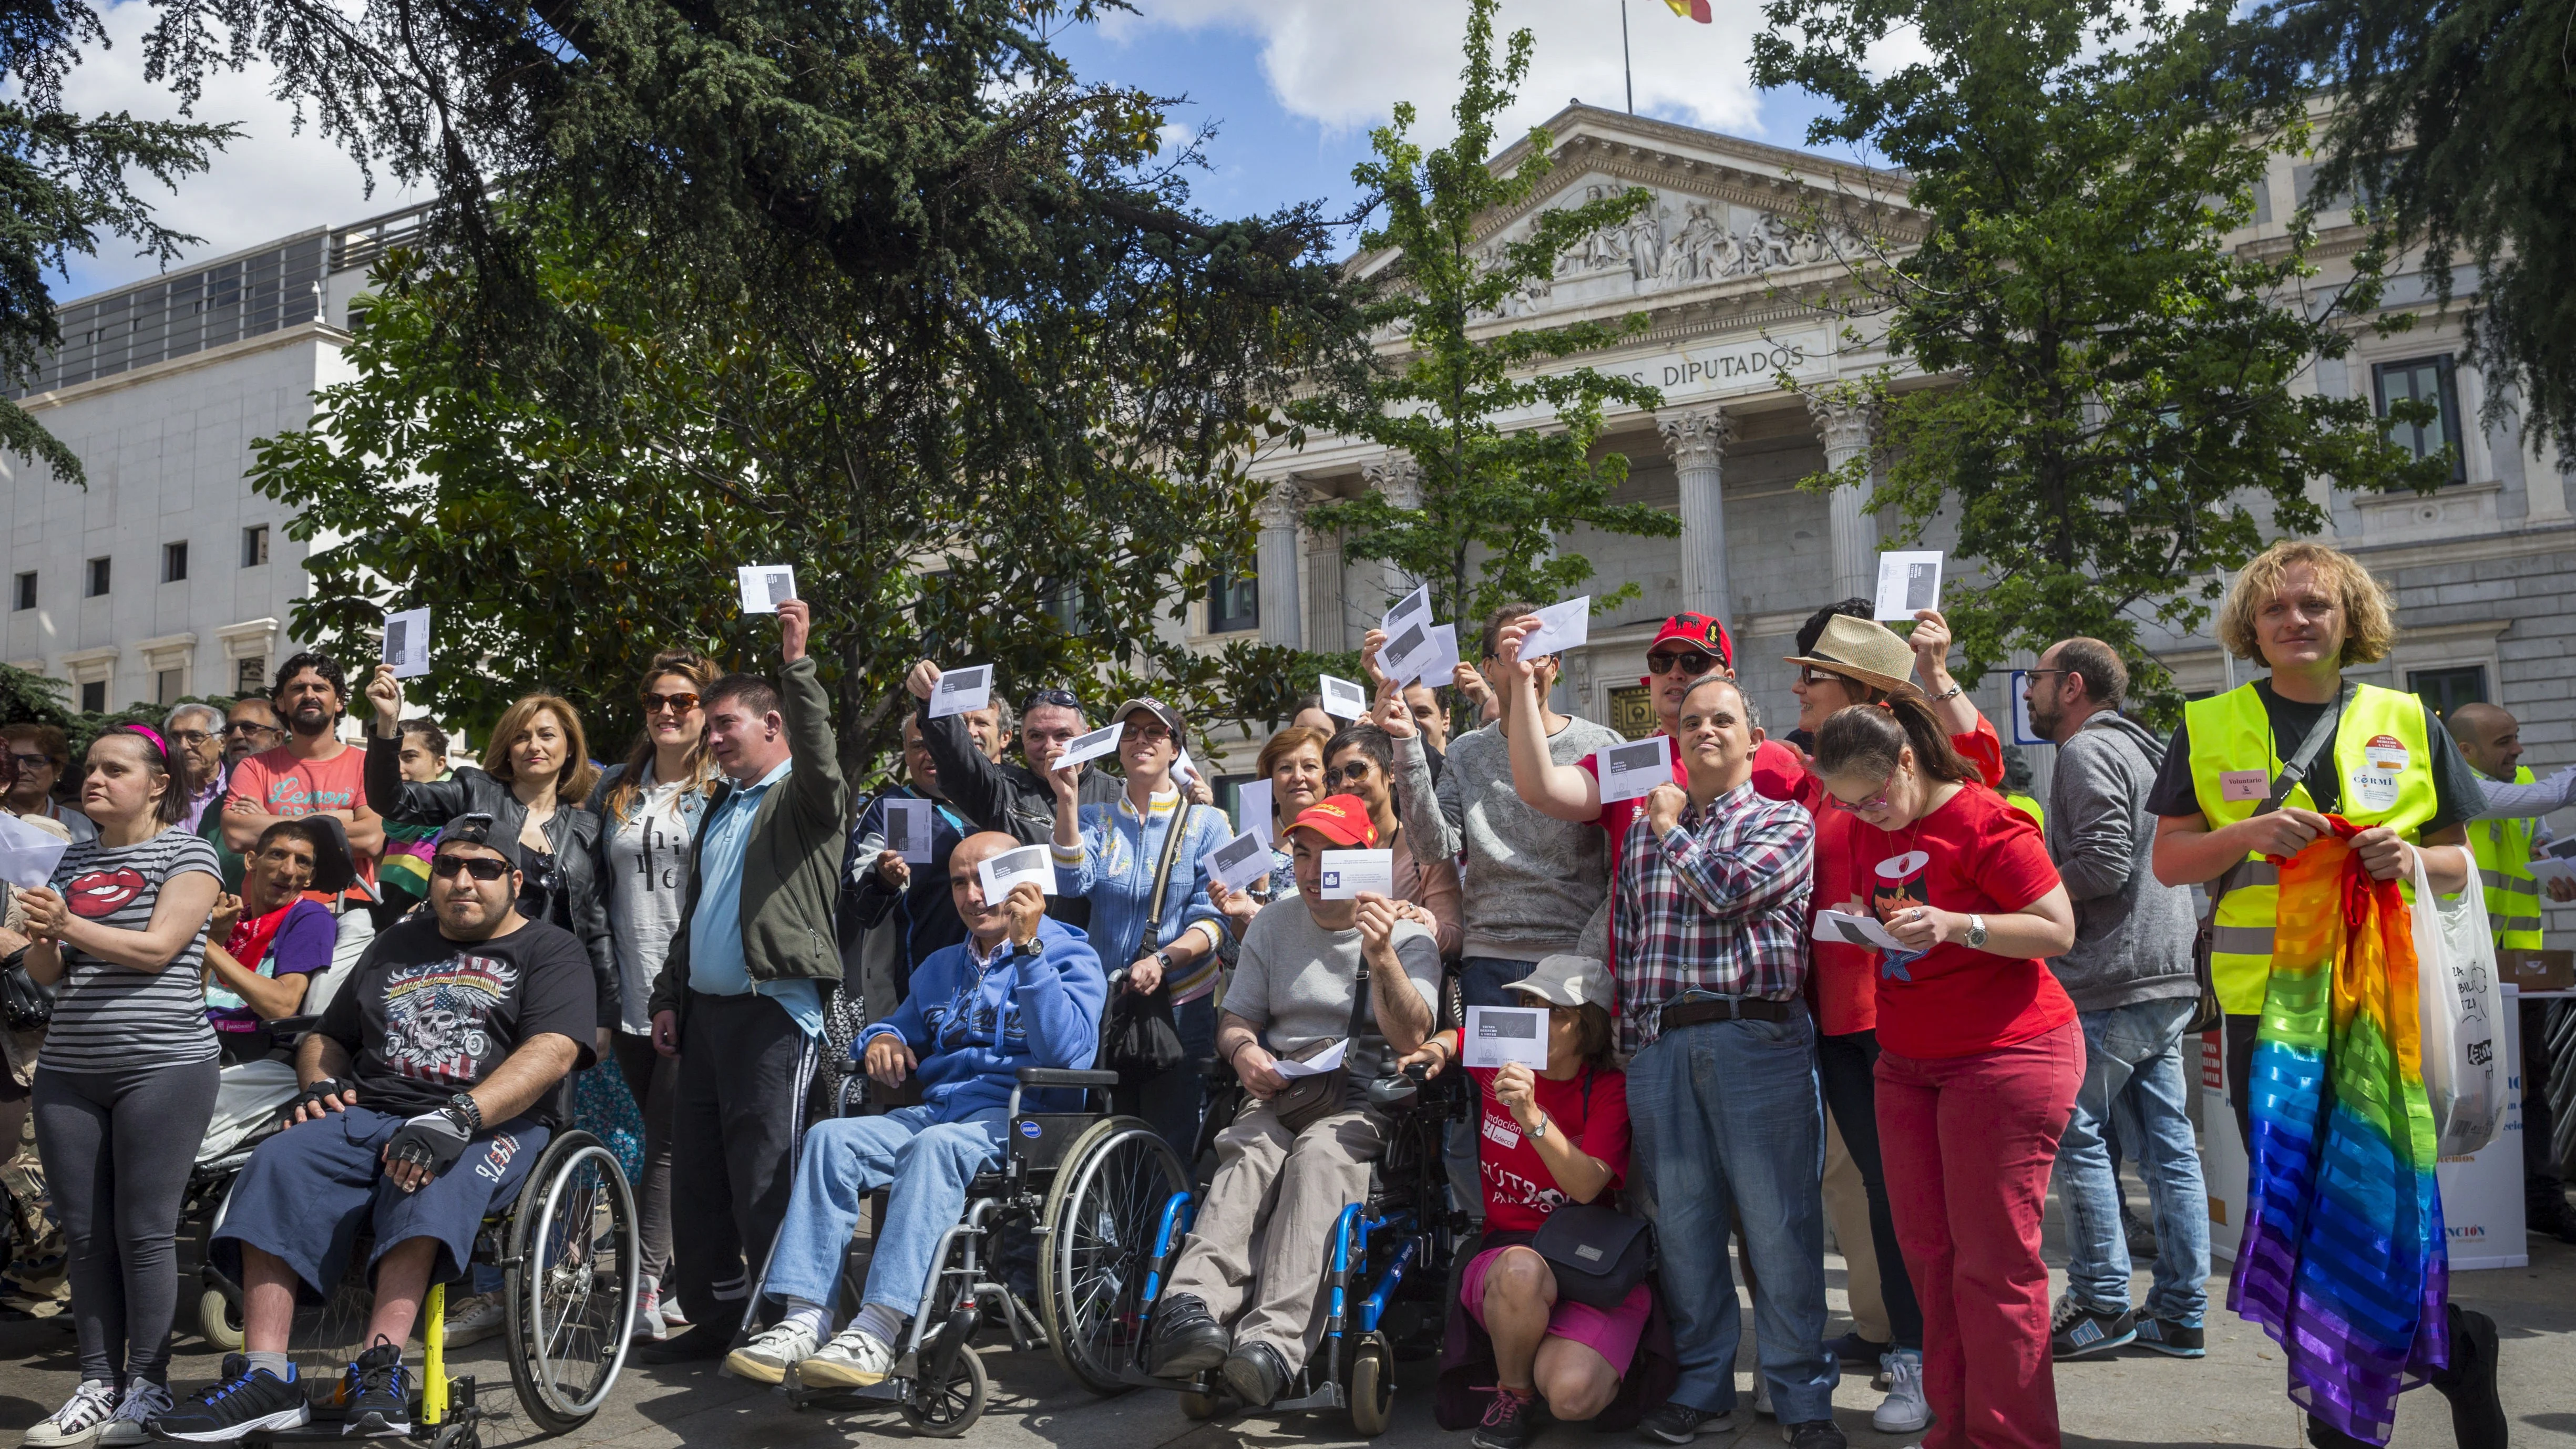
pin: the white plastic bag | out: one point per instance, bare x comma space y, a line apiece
2457, 1004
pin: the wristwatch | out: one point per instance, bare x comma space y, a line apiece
1164, 960
468, 1111
1953, 692
1540, 1130
1976, 933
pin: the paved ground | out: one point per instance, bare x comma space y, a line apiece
2142, 1401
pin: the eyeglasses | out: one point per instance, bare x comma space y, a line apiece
1875, 802
1060, 698
1351, 770
2035, 673
31, 762
246, 727
1811, 676
680, 703
1151, 734
481, 867
1691, 663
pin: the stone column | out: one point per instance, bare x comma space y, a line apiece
1697, 442
1397, 479
1281, 559
1847, 424
1325, 629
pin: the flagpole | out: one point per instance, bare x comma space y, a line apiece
1627, 68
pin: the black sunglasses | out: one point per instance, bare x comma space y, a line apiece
1060, 698
481, 867
1691, 663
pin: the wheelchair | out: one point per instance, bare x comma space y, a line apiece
1086, 1187
569, 1256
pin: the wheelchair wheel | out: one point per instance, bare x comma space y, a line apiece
1372, 1387
1101, 1212
947, 1409
569, 1287
1196, 1405
218, 1321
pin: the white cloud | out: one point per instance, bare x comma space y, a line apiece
270, 183
1343, 63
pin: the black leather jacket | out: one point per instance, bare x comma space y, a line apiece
572, 834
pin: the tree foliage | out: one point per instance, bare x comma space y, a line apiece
2123, 410
1495, 495
2456, 119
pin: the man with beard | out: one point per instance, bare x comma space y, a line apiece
313, 773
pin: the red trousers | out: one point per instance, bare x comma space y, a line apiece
1967, 1144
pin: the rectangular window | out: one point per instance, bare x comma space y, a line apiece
2424, 380
167, 686
24, 596
94, 698
1234, 602
2447, 689
174, 562
254, 545
97, 577
250, 676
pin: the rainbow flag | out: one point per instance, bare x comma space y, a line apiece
2343, 1260
1695, 9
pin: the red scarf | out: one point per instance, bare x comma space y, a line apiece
252, 935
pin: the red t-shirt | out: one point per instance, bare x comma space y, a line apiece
1519, 1190
280, 782
1977, 855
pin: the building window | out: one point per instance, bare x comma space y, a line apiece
168, 685
94, 697
250, 676
174, 561
254, 545
1234, 602
24, 596
2424, 380
2447, 689
97, 577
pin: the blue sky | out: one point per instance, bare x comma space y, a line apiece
1292, 85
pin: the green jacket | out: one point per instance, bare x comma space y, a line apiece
791, 873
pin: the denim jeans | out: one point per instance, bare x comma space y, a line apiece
927, 1162
1726, 1113
2133, 1077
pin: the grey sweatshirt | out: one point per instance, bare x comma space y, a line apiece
2133, 935
1534, 884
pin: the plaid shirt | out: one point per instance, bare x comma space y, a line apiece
1719, 905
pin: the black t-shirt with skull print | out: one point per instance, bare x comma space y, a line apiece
426, 1017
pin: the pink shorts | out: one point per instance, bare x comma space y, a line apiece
1611, 1332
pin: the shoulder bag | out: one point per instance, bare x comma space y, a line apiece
1142, 1041
1308, 1100
25, 1005
2320, 735
1600, 1254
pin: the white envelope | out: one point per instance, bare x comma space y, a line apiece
1561, 627
28, 855
1091, 746
1631, 772
1343, 699
908, 828
1240, 861
1327, 1060
1349, 872
1424, 651
2550, 867
1850, 930
1252, 798
1908, 581
407, 643
1413, 608
1500, 1034
1001, 872
960, 690
1184, 769
766, 586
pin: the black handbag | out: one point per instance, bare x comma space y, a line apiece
1140, 1040
2209, 1014
1600, 1254
25, 1005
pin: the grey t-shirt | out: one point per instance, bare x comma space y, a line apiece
1533, 883
1295, 979
648, 869
111, 1018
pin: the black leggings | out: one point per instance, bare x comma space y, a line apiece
653, 1080
1847, 1068
117, 1149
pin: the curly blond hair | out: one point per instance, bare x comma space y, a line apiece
2369, 619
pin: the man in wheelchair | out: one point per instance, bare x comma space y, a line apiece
1313, 972
1022, 990
430, 1088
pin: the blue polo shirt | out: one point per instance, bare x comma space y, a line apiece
715, 933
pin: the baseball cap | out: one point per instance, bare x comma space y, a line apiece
1339, 818
1170, 717
1566, 980
472, 828
1700, 631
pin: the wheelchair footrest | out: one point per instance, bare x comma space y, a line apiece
1330, 1396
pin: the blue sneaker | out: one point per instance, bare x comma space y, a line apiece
377, 1404
245, 1401
2081, 1331
2170, 1336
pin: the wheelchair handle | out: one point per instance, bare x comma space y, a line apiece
1065, 1077
291, 1025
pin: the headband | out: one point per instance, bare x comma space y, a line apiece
150, 736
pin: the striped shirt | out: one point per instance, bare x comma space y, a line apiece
1717, 906
112, 1018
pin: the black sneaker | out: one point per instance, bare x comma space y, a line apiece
701, 1344
2081, 1332
1188, 1341
1671, 1423
2170, 1336
1814, 1434
1511, 1422
241, 1403
1853, 1351
2550, 1214
1255, 1374
2477, 1413
373, 1395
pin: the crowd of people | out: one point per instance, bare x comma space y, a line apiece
808, 995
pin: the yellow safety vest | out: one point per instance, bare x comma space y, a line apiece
2503, 849
2029, 807
2384, 773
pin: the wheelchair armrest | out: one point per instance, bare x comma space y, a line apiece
1065, 1077
292, 1025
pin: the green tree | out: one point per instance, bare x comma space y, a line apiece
2121, 413
1494, 497
2456, 119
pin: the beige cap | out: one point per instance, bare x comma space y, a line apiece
1566, 980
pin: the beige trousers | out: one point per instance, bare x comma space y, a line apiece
1263, 1236
1847, 1203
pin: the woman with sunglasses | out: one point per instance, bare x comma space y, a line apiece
1979, 1053
126, 1081
1362, 764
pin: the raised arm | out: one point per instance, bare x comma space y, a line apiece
816, 787
2524, 802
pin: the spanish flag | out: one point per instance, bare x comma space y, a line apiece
1695, 9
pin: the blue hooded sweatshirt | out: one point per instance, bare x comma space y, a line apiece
973, 1030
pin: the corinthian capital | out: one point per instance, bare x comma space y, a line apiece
1282, 506
1846, 421
1696, 439
1397, 478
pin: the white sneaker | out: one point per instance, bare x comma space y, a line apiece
764, 1360
79, 1419
674, 1317
650, 1324
1762, 1395
144, 1402
853, 1359
472, 1320
1903, 1411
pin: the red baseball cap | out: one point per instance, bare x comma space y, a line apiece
1340, 818
1701, 632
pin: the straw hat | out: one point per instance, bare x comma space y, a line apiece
1869, 652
